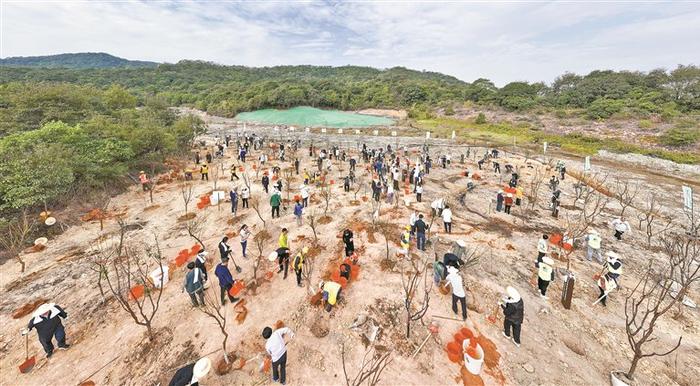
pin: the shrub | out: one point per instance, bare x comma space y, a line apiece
645, 124
604, 108
678, 136
480, 119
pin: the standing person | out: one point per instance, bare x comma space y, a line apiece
208, 157
593, 241
276, 347
194, 285
298, 210
191, 374
346, 184
244, 234
47, 320
496, 167
200, 262
545, 275
437, 206
225, 280
562, 172
143, 178
447, 218
298, 263
304, 191
421, 227
412, 221
499, 201
542, 247
234, 201
224, 248
458, 294
508, 201
296, 165
349, 244
196, 158
265, 182
419, 192
245, 196
204, 171
621, 227
275, 202
513, 312
233, 173
519, 194
283, 240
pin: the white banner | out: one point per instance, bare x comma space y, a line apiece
308, 130
376, 132
544, 147
688, 198
587, 164
340, 131
393, 133
358, 132
427, 135
453, 134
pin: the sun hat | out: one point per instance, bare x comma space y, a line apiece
305, 250
272, 256
50, 221
44, 308
513, 293
548, 260
41, 241
201, 368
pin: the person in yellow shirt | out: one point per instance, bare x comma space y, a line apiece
519, 194
284, 239
331, 293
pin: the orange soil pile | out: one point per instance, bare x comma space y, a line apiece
491, 358
469, 379
95, 214
28, 308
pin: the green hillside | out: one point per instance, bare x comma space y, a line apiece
79, 60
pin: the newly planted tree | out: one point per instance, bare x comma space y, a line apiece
625, 192
187, 192
214, 311
411, 282
374, 361
14, 235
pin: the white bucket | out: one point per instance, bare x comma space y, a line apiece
214, 199
156, 277
615, 381
473, 365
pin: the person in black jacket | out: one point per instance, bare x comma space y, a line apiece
349, 244
513, 311
265, 182
452, 260
47, 321
191, 374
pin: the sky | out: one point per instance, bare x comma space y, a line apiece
499, 40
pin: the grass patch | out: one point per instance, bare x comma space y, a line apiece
503, 134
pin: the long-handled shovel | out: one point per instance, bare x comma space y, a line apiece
28, 363
238, 269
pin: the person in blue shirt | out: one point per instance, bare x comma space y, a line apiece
298, 210
225, 280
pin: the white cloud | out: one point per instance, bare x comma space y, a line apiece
503, 41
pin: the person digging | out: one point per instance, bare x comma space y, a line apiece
225, 280
283, 260
276, 347
47, 321
607, 282
349, 244
458, 294
330, 292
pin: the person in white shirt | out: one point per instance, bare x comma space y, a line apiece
412, 222
447, 218
542, 248
419, 192
305, 195
437, 206
455, 281
276, 347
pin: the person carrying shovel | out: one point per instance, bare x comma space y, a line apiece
607, 282
225, 280
47, 321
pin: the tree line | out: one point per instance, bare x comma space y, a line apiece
228, 90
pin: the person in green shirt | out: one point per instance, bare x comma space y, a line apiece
275, 201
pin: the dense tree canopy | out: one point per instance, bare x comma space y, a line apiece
228, 90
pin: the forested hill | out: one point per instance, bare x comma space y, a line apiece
228, 90
78, 60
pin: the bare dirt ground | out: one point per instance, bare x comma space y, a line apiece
559, 347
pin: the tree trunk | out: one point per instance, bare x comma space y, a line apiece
633, 366
223, 345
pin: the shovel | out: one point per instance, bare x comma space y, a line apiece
238, 269
494, 315
28, 363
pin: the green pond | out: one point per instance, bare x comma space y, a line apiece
312, 117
